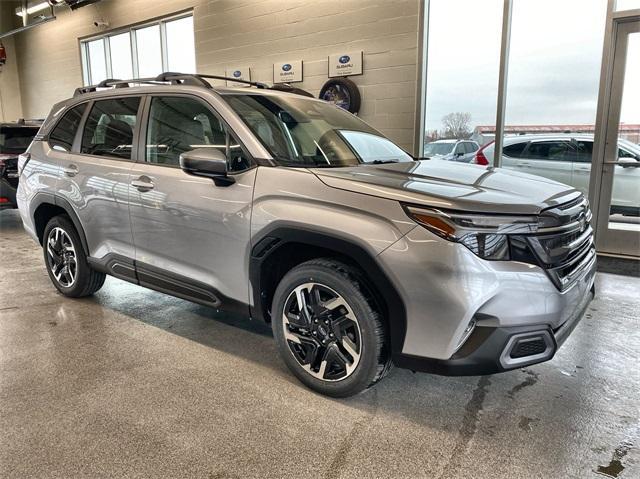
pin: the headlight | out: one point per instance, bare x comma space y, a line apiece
486, 235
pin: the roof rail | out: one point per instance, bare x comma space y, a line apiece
175, 78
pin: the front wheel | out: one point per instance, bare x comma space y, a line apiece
328, 328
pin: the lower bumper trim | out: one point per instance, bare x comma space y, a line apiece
489, 350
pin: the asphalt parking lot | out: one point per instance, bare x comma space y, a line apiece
134, 383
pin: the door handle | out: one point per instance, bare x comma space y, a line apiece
71, 170
526, 164
143, 184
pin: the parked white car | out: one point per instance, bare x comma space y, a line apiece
462, 151
567, 158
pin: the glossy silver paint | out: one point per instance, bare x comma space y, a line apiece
444, 285
189, 226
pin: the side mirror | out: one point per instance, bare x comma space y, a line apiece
207, 162
628, 162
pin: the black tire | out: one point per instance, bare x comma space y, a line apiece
87, 280
374, 360
344, 89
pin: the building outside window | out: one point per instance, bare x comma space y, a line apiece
140, 51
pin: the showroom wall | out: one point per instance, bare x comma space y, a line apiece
254, 33
10, 101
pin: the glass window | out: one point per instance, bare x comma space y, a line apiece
309, 133
64, 133
515, 150
119, 60
627, 4
149, 51
181, 51
437, 148
459, 149
463, 60
97, 61
584, 150
554, 69
120, 52
16, 139
470, 147
551, 150
178, 124
109, 128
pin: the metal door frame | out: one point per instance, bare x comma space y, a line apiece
617, 29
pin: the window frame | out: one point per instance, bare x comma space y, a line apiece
77, 144
141, 150
66, 110
522, 152
85, 59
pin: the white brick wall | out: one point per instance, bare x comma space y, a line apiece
253, 33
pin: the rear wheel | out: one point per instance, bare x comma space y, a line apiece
328, 329
66, 260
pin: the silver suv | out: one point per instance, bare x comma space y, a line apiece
291, 210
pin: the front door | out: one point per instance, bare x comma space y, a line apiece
191, 236
618, 216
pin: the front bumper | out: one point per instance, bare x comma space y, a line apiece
490, 350
445, 288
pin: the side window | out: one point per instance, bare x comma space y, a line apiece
109, 128
179, 124
470, 147
584, 151
459, 149
515, 150
551, 150
65, 131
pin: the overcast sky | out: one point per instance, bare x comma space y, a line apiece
554, 66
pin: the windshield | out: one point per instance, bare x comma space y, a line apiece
308, 133
438, 148
16, 139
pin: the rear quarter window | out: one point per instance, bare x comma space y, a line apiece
515, 150
65, 131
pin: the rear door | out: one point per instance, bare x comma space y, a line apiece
191, 236
551, 159
512, 153
94, 177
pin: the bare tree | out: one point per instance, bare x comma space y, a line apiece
456, 125
431, 135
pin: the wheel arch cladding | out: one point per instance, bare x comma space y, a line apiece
44, 207
277, 251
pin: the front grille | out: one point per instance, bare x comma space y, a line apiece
528, 347
564, 251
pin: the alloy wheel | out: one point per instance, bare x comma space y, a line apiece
322, 332
61, 255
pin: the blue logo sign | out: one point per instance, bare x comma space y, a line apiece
344, 59
286, 67
237, 74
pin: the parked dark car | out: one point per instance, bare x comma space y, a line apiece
15, 138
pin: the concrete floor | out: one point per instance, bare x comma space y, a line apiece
135, 383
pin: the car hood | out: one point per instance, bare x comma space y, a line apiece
449, 185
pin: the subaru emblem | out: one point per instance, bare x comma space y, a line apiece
344, 59
286, 67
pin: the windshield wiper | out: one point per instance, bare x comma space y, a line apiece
383, 162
